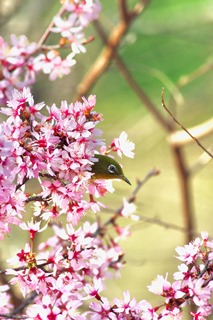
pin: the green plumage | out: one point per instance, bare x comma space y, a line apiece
107, 168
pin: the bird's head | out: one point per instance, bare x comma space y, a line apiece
107, 168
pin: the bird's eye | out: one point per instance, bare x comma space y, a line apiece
112, 169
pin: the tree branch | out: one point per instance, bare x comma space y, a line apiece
182, 127
140, 183
48, 30
181, 138
105, 57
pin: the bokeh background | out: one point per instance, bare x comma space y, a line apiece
169, 40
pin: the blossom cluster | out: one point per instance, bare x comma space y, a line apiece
67, 279
57, 149
70, 269
193, 282
20, 60
193, 285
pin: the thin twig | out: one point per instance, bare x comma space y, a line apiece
140, 183
37, 198
23, 182
181, 137
8, 316
65, 46
166, 225
182, 127
151, 220
48, 30
24, 304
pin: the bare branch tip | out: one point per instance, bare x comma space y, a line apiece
156, 172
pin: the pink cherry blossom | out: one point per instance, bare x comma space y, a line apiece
5, 304
84, 11
95, 289
126, 305
32, 227
21, 60
65, 27
123, 146
128, 210
159, 285
102, 310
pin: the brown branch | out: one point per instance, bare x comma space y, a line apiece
180, 138
23, 182
140, 183
123, 8
182, 127
98, 68
48, 30
138, 8
103, 61
14, 297
133, 84
168, 126
105, 57
65, 46
144, 98
116, 213
22, 306
167, 225
151, 220
183, 175
8, 316
127, 14
37, 198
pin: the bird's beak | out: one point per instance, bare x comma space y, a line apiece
125, 179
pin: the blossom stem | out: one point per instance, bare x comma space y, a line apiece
48, 30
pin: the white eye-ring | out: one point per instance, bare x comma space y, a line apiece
112, 169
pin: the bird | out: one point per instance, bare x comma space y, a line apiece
107, 168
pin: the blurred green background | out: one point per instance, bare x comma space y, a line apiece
171, 38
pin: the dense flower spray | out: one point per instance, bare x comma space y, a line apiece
57, 149
21, 60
